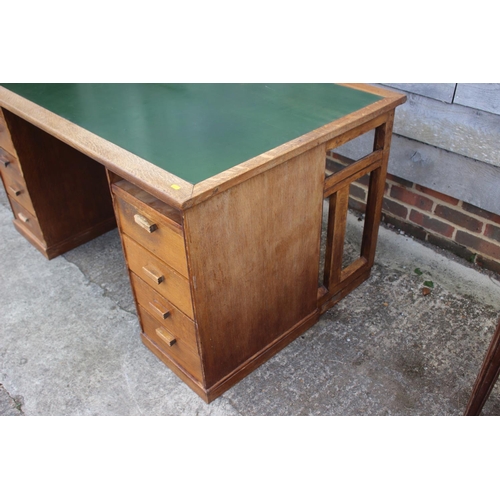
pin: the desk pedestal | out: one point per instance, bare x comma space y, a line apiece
59, 197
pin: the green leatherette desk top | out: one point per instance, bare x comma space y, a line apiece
196, 131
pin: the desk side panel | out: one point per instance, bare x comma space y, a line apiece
253, 253
69, 191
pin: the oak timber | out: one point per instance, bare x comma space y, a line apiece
5, 140
165, 242
65, 212
253, 250
156, 273
337, 218
487, 376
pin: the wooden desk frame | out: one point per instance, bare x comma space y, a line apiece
249, 236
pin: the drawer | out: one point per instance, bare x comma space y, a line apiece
162, 278
26, 219
5, 140
9, 164
16, 189
161, 235
172, 346
171, 318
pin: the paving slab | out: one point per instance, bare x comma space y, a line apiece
70, 345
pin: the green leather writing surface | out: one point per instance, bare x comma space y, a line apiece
196, 131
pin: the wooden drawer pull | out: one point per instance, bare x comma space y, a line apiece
23, 217
163, 314
15, 191
166, 336
141, 221
154, 275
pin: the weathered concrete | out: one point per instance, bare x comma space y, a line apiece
69, 340
9, 406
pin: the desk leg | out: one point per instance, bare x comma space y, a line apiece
383, 135
486, 378
338, 281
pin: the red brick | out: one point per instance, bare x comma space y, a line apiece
365, 180
482, 246
492, 232
414, 199
357, 205
399, 180
459, 218
394, 208
482, 213
452, 246
492, 265
332, 166
357, 192
433, 224
407, 227
438, 195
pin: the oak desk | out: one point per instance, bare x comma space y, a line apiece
218, 193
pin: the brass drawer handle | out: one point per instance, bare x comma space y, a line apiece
163, 314
141, 221
166, 336
154, 275
15, 191
23, 217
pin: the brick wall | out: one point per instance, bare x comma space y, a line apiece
467, 231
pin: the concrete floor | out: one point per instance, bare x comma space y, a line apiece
69, 340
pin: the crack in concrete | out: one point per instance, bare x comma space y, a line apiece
15, 402
105, 291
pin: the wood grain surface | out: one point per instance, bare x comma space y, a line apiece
156, 305
172, 285
166, 242
59, 180
5, 140
254, 259
487, 376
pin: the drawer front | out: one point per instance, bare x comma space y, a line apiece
5, 140
162, 278
179, 351
158, 307
9, 164
152, 231
26, 219
16, 189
